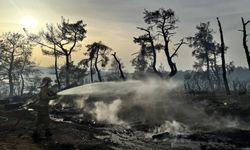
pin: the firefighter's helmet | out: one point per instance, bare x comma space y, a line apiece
46, 81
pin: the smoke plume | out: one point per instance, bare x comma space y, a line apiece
157, 103
107, 112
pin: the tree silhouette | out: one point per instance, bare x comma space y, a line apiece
244, 30
25, 67
46, 39
63, 39
141, 61
215, 67
56, 55
15, 54
224, 72
203, 45
120, 66
148, 41
97, 52
165, 23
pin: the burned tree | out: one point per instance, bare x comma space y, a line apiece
69, 35
224, 72
203, 44
97, 52
56, 54
46, 39
25, 68
244, 30
149, 38
165, 23
15, 53
119, 66
62, 40
142, 58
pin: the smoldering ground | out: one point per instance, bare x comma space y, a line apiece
158, 104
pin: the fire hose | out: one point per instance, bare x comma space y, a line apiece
22, 107
31, 105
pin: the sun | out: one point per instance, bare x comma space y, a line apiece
28, 22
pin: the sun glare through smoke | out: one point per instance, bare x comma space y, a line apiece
28, 22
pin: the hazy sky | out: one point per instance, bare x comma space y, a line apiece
114, 22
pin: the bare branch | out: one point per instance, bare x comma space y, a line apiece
134, 53
143, 29
178, 47
119, 65
247, 22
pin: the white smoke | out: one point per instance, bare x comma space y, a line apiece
80, 102
173, 128
107, 112
155, 102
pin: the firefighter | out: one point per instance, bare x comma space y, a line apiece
42, 120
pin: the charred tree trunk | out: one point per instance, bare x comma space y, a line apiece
91, 70
67, 70
216, 71
154, 55
57, 75
153, 50
172, 65
224, 72
244, 24
96, 66
11, 83
56, 69
208, 73
21, 75
23, 85
120, 66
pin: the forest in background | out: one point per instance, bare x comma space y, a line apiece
211, 74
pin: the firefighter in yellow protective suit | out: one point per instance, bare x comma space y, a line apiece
43, 120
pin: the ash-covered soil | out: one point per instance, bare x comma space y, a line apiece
17, 125
149, 116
